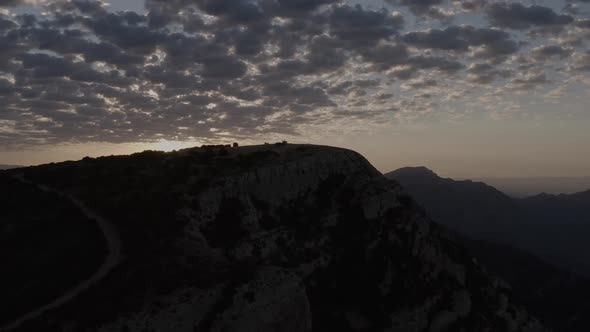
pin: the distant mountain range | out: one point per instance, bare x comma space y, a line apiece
553, 227
524, 187
472, 208
500, 231
8, 166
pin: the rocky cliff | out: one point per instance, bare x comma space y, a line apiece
271, 238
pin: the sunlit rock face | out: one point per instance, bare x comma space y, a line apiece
273, 238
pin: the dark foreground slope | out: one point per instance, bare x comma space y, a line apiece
270, 238
47, 246
559, 298
493, 225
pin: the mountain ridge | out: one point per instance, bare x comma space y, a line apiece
482, 212
444, 197
278, 237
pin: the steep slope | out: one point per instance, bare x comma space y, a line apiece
270, 238
564, 221
543, 224
472, 208
113, 246
560, 299
553, 227
48, 246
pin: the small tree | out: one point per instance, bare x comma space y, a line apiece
235, 145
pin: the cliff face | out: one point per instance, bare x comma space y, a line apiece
272, 238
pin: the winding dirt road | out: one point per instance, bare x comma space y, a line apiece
112, 259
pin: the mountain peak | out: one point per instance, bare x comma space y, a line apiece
418, 173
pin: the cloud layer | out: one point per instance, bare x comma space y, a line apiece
218, 69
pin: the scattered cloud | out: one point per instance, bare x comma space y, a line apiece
212, 69
515, 15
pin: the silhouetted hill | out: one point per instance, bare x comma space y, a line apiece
494, 225
473, 208
415, 175
575, 204
563, 224
553, 227
269, 238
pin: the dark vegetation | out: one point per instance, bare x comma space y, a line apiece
48, 246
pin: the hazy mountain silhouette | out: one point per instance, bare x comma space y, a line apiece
492, 226
473, 208
554, 227
8, 166
563, 226
525, 187
267, 238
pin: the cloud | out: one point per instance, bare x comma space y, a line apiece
583, 23
470, 5
494, 43
518, 16
582, 62
356, 27
530, 80
548, 51
384, 57
14, 3
83, 72
222, 67
419, 7
485, 73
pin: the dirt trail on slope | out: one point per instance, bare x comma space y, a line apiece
112, 259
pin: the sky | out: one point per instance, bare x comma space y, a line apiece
469, 88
